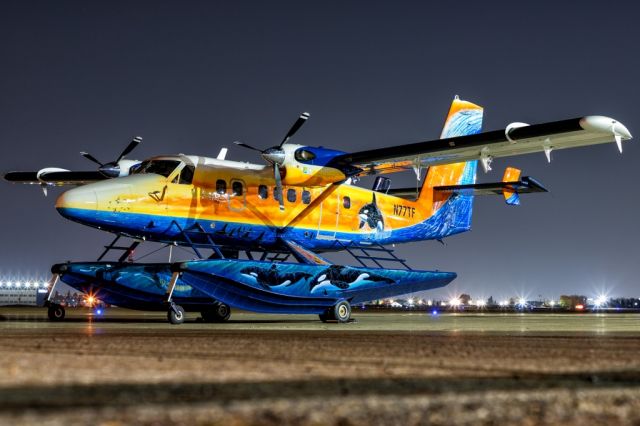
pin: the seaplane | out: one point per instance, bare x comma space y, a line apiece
260, 232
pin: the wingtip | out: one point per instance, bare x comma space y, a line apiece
600, 123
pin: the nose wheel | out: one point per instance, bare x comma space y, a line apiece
176, 314
56, 312
340, 312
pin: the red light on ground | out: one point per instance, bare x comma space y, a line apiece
579, 307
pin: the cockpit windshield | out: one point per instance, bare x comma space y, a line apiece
158, 167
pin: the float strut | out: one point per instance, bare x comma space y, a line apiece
170, 288
52, 283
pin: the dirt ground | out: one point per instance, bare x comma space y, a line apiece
295, 370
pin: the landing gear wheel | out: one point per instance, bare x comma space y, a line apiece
342, 311
176, 314
56, 312
218, 313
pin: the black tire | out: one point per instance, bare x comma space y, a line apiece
324, 317
176, 315
342, 311
220, 312
56, 313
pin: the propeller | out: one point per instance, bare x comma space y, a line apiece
276, 155
112, 168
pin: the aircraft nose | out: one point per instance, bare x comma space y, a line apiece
72, 202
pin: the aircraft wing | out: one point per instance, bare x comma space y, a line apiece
515, 139
55, 177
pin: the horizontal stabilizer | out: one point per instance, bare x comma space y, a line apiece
525, 185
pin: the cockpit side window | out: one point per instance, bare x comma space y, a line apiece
186, 175
158, 167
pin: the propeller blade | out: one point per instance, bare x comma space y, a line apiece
91, 158
276, 169
296, 126
132, 145
246, 146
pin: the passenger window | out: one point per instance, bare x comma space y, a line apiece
291, 195
306, 197
236, 187
221, 186
186, 175
263, 192
346, 202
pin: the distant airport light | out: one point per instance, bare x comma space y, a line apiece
579, 307
410, 302
481, 303
90, 300
552, 303
434, 312
430, 302
522, 302
454, 302
600, 301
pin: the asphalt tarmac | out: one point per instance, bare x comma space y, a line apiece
386, 368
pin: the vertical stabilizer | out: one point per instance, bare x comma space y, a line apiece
464, 118
511, 196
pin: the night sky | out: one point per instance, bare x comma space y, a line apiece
192, 77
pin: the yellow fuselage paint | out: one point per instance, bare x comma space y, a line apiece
334, 207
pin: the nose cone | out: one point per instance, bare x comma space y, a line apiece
75, 203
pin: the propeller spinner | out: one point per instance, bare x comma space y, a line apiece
112, 168
276, 155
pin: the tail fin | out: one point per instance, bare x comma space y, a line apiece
464, 118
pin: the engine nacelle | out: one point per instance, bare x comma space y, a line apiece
311, 166
46, 170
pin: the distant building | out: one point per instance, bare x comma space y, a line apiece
23, 293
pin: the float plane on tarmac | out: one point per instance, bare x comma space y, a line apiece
303, 201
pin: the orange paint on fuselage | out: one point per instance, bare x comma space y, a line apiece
327, 208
